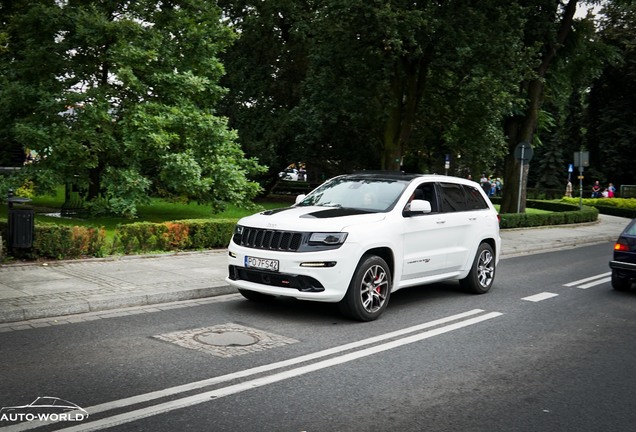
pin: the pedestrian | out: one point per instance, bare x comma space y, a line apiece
485, 183
596, 190
611, 191
568, 189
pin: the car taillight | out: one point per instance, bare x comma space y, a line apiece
621, 247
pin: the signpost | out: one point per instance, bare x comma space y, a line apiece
581, 159
523, 153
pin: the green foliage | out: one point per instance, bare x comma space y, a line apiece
551, 168
120, 97
169, 236
63, 242
560, 213
611, 118
623, 207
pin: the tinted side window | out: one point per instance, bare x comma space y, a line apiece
453, 199
474, 200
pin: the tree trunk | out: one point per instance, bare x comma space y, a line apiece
94, 184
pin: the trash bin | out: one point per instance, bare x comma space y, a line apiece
21, 223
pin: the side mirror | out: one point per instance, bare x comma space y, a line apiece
418, 207
299, 198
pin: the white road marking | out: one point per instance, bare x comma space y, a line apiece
539, 297
598, 282
144, 398
259, 382
583, 281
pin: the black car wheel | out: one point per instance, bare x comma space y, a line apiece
369, 290
620, 283
482, 272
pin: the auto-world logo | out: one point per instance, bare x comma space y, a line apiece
45, 409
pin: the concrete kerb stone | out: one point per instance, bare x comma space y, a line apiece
44, 310
11, 314
104, 302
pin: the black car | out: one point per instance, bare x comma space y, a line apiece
623, 264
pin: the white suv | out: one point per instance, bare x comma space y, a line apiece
357, 238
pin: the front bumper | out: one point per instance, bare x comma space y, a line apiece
297, 275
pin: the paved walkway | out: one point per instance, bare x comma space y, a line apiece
33, 294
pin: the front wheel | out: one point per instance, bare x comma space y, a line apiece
369, 290
482, 272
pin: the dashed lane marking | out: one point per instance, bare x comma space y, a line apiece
540, 297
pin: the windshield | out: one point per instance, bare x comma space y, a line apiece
376, 195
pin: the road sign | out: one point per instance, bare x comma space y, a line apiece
582, 159
524, 152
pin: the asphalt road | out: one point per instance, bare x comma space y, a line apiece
550, 348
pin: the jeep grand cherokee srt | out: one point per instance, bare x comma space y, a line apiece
357, 238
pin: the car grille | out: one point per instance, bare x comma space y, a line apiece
269, 239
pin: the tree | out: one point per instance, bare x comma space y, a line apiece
125, 106
611, 116
549, 24
265, 70
393, 83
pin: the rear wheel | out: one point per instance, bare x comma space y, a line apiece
369, 290
620, 283
482, 273
256, 296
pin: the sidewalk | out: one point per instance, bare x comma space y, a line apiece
37, 291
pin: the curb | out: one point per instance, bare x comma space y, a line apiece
103, 302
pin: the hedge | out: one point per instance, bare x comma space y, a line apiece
61, 242
563, 213
172, 236
622, 207
65, 242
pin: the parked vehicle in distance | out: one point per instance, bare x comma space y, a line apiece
290, 174
359, 237
623, 264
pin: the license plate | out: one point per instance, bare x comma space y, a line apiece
261, 263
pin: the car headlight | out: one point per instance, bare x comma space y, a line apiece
328, 239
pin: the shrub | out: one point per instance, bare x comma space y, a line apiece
169, 236
622, 207
64, 242
61, 242
562, 213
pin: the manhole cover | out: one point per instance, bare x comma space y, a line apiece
230, 338
226, 340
